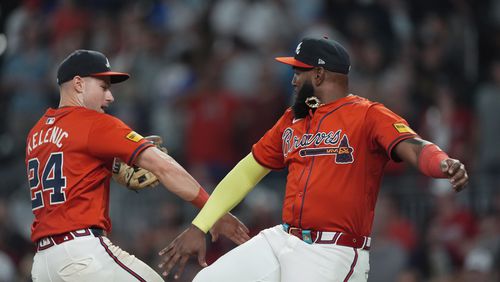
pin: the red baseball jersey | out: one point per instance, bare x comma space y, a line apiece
69, 155
335, 159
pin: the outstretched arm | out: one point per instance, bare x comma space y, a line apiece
177, 180
432, 161
171, 174
230, 191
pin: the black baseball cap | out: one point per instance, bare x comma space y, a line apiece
323, 52
87, 63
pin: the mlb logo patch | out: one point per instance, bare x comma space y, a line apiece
50, 120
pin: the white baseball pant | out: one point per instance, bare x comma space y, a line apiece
274, 255
89, 258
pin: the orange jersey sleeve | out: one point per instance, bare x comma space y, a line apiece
109, 137
268, 151
386, 129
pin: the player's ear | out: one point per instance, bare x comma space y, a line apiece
78, 84
318, 76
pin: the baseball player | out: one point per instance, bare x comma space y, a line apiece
335, 146
69, 155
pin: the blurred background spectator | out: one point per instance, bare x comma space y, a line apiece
204, 78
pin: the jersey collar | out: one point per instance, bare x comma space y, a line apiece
338, 102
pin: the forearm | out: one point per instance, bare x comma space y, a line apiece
170, 173
230, 191
178, 181
430, 161
433, 162
423, 155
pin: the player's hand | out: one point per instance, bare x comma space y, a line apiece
188, 243
455, 170
232, 228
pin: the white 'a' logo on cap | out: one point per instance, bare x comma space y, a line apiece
107, 63
321, 62
297, 50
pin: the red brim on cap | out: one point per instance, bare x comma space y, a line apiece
114, 77
293, 62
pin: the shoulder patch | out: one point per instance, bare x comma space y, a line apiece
403, 128
134, 136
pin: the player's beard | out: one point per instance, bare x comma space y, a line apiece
299, 107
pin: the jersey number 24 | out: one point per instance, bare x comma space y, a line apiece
53, 181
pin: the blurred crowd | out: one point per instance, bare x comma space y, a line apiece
204, 78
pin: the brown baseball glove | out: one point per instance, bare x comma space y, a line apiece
133, 177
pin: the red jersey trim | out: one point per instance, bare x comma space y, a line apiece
61, 111
137, 151
334, 110
55, 115
396, 142
266, 166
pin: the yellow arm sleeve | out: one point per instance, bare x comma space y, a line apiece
230, 191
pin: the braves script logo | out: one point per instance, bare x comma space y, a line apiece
338, 147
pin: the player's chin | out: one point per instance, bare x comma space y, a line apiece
103, 109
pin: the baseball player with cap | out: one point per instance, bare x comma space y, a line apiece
69, 155
335, 146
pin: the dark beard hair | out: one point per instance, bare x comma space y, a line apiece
299, 107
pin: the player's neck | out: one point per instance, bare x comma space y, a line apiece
331, 94
70, 100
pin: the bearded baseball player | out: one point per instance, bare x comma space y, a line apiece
335, 146
71, 154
